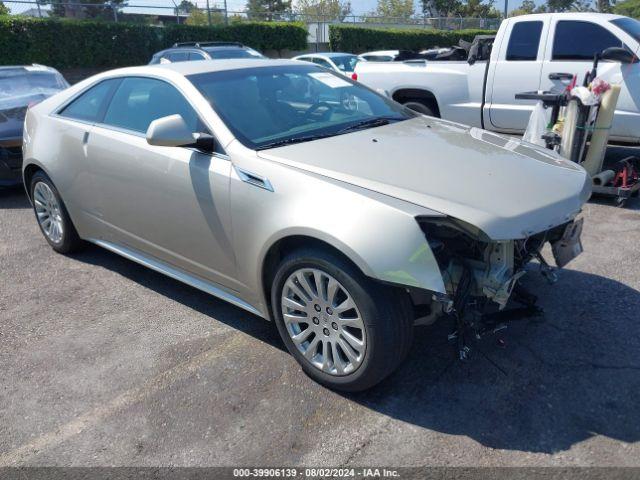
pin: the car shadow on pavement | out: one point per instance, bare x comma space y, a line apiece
559, 380
13, 198
186, 295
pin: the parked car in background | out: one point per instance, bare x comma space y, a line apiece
20, 87
379, 56
343, 63
300, 196
529, 52
190, 51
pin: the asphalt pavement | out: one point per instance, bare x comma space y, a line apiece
104, 362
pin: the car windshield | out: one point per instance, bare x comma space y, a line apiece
21, 86
272, 106
629, 25
225, 53
346, 63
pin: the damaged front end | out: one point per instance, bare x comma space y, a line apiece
482, 275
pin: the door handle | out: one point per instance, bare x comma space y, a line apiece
560, 76
85, 141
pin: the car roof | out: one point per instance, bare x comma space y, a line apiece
326, 54
381, 52
569, 16
204, 66
29, 68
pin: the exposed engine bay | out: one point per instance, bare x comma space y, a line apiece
482, 276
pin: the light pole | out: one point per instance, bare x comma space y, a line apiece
506, 8
177, 12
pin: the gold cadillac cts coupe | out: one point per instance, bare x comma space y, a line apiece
300, 196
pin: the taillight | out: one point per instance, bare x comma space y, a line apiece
354, 76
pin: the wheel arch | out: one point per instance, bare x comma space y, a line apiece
402, 95
28, 171
288, 242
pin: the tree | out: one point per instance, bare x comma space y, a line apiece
199, 16
630, 8
459, 8
329, 9
267, 9
440, 8
95, 9
476, 8
393, 11
526, 7
184, 7
565, 6
604, 6
4, 10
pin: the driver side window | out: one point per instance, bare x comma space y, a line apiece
138, 101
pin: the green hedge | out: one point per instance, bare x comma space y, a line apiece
70, 43
345, 38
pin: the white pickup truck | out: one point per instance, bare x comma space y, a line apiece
531, 52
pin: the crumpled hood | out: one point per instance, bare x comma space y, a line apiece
508, 188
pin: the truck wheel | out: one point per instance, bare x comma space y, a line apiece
420, 107
345, 330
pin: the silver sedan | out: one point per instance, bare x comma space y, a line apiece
299, 196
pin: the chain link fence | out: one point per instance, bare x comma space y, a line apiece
209, 13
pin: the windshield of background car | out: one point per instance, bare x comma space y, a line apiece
629, 25
346, 63
267, 105
21, 86
225, 53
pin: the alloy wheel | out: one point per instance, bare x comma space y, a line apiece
323, 321
48, 212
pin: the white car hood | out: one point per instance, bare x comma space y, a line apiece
508, 188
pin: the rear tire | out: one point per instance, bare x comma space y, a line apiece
52, 216
323, 336
420, 106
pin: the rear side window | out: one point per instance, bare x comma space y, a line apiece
629, 25
178, 56
581, 40
196, 56
322, 62
524, 41
138, 101
90, 105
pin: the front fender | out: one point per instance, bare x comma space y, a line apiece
377, 232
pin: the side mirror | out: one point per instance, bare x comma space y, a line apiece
617, 54
172, 131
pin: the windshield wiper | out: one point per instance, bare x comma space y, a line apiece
369, 123
290, 141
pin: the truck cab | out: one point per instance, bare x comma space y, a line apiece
545, 51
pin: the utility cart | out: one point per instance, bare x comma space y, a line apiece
585, 123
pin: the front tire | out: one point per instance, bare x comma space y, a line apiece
346, 331
52, 216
